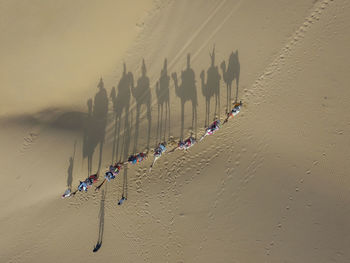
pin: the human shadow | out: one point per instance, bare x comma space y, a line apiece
142, 95
70, 168
230, 74
211, 88
163, 100
187, 91
101, 222
121, 104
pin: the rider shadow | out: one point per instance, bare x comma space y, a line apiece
121, 104
101, 223
70, 169
211, 88
142, 95
230, 74
187, 91
163, 100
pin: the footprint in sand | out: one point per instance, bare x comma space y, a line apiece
29, 140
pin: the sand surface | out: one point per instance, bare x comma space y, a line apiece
271, 186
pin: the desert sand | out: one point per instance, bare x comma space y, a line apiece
272, 185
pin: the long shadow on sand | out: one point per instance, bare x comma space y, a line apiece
70, 168
121, 104
187, 91
94, 133
230, 74
125, 153
211, 88
102, 222
142, 95
163, 100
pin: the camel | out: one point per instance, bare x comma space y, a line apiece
187, 91
230, 74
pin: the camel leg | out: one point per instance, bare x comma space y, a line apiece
194, 109
237, 82
182, 119
118, 137
230, 91
168, 110
165, 120
218, 95
205, 119
216, 104
228, 99
149, 117
89, 164
161, 122
207, 112
114, 137
137, 127
158, 124
100, 157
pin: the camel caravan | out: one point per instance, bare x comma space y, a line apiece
185, 90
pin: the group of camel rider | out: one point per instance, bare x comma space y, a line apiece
114, 170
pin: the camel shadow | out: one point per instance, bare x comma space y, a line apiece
211, 88
142, 95
121, 104
230, 74
187, 91
163, 100
94, 133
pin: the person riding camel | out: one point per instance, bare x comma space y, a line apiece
110, 174
113, 171
212, 129
158, 152
85, 185
185, 145
236, 109
136, 158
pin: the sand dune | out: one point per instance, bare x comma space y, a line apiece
270, 186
